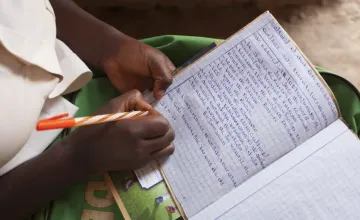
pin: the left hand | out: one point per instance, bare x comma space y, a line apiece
131, 64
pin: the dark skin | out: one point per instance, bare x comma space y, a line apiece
86, 152
91, 150
142, 140
128, 63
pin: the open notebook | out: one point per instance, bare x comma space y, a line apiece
259, 134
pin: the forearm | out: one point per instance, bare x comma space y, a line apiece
82, 32
27, 188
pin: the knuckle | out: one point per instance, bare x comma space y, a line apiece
168, 79
163, 122
116, 101
134, 131
172, 135
122, 126
127, 129
171, 149
135, 93
139, 152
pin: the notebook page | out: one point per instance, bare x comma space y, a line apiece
303, 169
150, 175
237, 110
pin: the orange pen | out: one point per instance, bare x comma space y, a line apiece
60, 121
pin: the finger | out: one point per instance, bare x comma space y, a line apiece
153, 111
167, 151
134, 101
145, 127
162, 74
170, 65
158, 143
130, 101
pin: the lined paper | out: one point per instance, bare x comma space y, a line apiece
323, 186
239, 109
290, 184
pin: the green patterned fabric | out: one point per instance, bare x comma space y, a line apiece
90, 199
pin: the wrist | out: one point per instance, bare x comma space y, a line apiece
77, 168
113, 41
89, 37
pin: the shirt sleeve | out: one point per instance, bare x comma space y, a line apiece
75, 72
24, 91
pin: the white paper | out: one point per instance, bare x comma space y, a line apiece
239, 109
149, 175
260, 189
323, 186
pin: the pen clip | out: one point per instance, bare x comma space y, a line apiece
55, 122
56, 117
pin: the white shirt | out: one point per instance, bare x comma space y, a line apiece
35, 70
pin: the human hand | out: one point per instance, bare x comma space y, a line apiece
131, 64
124, 145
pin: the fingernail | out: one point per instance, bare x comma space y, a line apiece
159, 94
149, 106
172, 68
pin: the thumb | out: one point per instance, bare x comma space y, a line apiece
134, 101
162, 75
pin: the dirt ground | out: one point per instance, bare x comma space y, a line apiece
330, 37
327, 32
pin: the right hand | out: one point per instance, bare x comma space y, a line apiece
127, 144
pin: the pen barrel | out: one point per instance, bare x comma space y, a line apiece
97, 119
108, 118
55, 124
